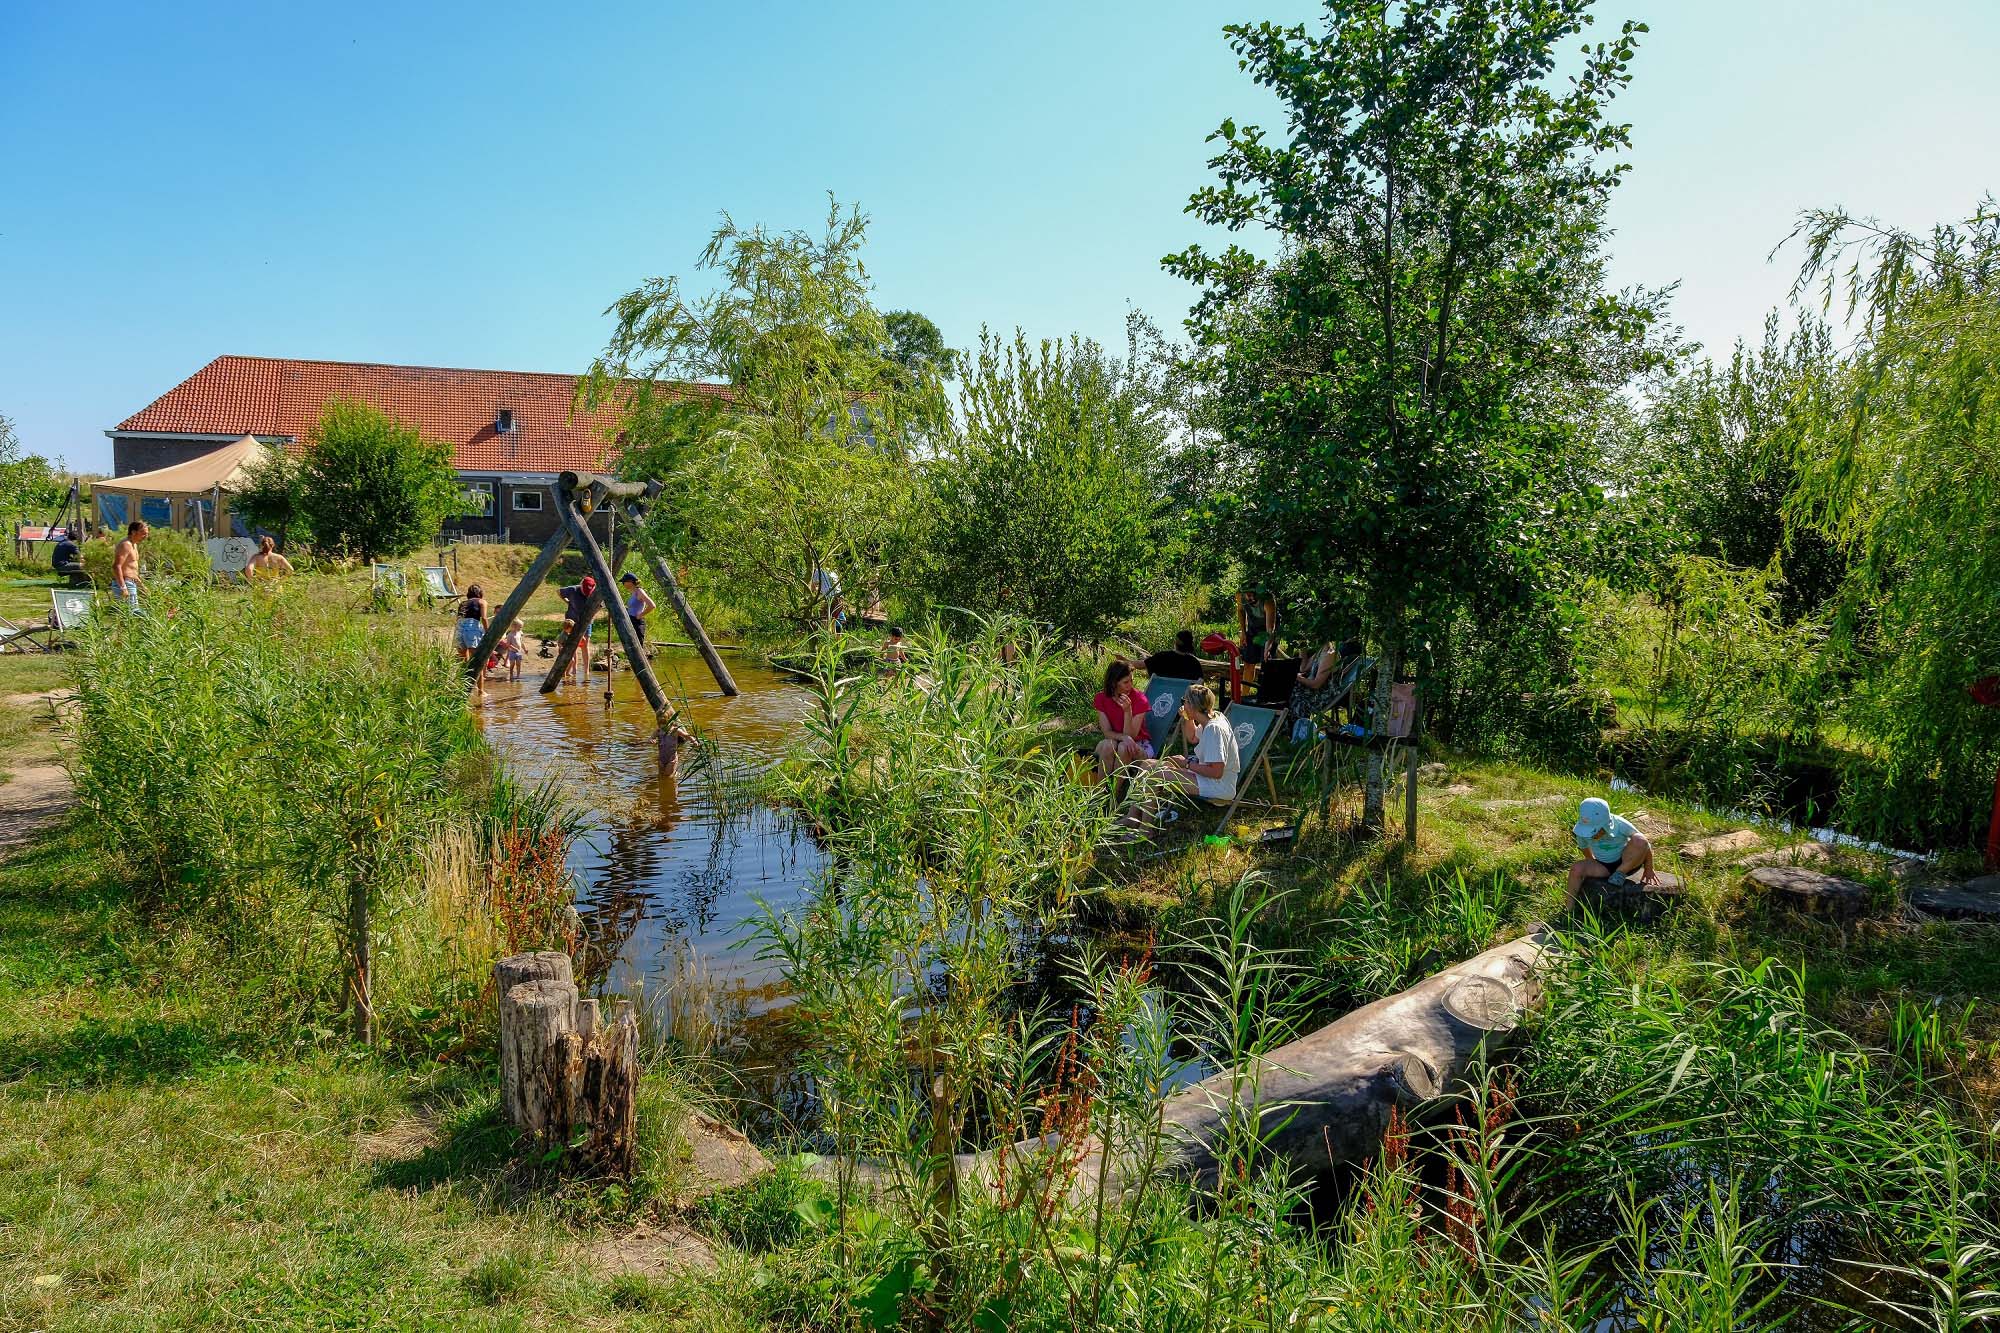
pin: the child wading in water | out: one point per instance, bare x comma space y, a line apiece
513, 649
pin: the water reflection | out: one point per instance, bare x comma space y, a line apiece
669, 887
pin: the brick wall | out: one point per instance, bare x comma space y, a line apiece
131, 454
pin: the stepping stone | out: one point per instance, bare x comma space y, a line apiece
1742, 840
1651, 827
1974, 900
1515, 803
1799, 854
1459, 789
1641, 901
1810, 891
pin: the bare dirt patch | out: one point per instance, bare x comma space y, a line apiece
651, 1252
33, 796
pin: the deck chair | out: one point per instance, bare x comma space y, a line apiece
1275, 679
17, 638
69, 611
1254, 726
437, 583
386, 576
1163, 696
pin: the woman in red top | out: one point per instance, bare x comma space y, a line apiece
1121, 721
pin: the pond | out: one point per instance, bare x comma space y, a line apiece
670, 884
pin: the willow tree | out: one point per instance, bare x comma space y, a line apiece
1408, 385
773, 408
1903, 473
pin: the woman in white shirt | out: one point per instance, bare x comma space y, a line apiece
1212, 767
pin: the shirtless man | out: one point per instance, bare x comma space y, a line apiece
125, 564
267, 560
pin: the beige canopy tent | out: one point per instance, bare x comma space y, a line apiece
192, 495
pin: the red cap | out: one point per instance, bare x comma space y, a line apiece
589, 585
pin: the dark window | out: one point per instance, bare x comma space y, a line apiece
527, 499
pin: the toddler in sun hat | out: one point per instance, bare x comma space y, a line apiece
1601, 834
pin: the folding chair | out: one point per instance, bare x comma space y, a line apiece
387, 576
1163, 698
437, 583
69, 611
16, 638
1275, 679
1254, 727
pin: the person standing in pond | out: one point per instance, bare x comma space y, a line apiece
471, 629
125, 564
578, 612
1613, 849
638, 603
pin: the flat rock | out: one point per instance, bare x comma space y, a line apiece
722, 1158
1741, 840
1974, 900
1651, 827
1432, 775
651, 1252
1459, 789
1523, 803
1632, 898
1798, 854
1811, 891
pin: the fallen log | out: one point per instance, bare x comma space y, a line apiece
1324, 1100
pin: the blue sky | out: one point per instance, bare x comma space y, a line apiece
471, 185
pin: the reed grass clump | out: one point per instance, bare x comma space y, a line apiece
306, 792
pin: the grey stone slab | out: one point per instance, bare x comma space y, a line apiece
1811, 891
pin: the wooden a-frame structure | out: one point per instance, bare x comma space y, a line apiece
578, 495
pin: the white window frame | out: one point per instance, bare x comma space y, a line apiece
523, 493
487, 489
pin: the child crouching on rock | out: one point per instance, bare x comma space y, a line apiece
1613, 849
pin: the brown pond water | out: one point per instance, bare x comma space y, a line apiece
670, 884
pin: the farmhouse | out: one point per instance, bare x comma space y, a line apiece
511, 432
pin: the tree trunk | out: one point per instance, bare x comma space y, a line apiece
1373, 812
568, 1082
360, 964
1324, 1100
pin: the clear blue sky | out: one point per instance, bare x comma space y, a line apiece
472, 184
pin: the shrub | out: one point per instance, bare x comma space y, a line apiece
308, 792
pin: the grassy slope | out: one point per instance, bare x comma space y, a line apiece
164, 1165
1523, 852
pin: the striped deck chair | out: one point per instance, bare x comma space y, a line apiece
1254, 728
437, 583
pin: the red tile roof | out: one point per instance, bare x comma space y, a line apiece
259, 395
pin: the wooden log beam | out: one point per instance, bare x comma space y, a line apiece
545, 560
1324, 1100
568, 643
597, 485
670, 586
635, 652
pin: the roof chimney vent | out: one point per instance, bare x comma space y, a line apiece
505, 425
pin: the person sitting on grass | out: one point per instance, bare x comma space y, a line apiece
1211, 770
1121, 721
1613, 849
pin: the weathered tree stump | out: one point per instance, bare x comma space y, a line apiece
567, 1079
1810, 891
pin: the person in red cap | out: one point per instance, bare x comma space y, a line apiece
577, 610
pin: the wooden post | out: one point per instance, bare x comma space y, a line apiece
567, 645
544, 561
563, 1070
619, 619
360, 964
507, 974
671, 587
